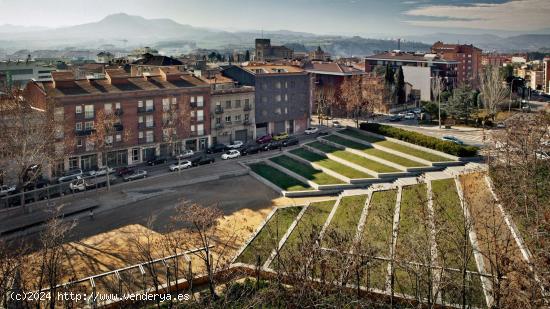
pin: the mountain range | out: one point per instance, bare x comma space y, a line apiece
123, 30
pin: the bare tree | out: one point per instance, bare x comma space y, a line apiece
324, 98
494, 90
354, 99
437, 87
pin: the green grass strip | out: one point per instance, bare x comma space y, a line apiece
395, 146
453, 242
374, 152
413, 237
279, 178
269, 236
343, 226
353, 158
377, 235
306, 171
330, 164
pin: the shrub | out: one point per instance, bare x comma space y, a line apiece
421, 140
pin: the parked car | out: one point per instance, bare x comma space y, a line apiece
336, 124
394, 118
452, 139
180, 166
281, 136
311, 130
417, 110
204, 160
410, 116
70, 175
6, 190
102, 171
401, 114
231, 154
235, 145
122, 171
290, 141
157, 161
323, 133
186, 153
135, 175
264, 139
252, 149
501, 125
81, 184
216, 148
272, 145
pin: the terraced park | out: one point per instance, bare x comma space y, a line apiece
414, 235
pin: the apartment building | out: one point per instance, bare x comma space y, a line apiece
19, 73
232, 111
468, 56
158, 115
419, 70
266, 52
282, 96
546, 75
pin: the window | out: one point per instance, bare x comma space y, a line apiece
278, 85
292, 84
165, 104
264, 85
140, 103
135, 154
286, 110
78, 109
149, 106
237, 103
88, 111
192, 128
237, 117
228, 119
140, 119
278, 98
108, 140
140, 135
73, 163
228, 104
88, 125
174, 100
200, 101
149, 121
78, 126
218, 120
246, 102
200, 115
108, 107
117, 105
118, 138
78, 142
246, 116
286, 97
149, 137
200, 129
286, 84
278, 111
264, 99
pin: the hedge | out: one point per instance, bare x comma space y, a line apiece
421, 140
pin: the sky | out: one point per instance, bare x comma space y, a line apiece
348, 17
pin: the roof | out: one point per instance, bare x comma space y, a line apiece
331, 68
155, 60
103, 86
63, 76
217, 79
409, 57
272, 69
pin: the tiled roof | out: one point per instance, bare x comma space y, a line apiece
217, 79
331, 68
272, 69
149, 59
103, 86
406, 57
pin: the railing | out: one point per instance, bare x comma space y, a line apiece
247, 108
219, 126
218, 110
246, 122
84, 132
146, 109
193, 104
118, 127
145, 125
119, 112
89, 115
144, 140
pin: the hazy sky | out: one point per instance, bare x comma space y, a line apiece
317, 16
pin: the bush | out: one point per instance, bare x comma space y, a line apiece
421, 140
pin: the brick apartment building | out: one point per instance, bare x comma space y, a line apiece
282, 96
546, 74
468, 56
146, 127
232, 110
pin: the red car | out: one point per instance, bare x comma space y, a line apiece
123, 171
264, 139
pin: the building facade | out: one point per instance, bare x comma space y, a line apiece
232, 111
419, 70
19, 73
266, 52
546, 75
156, 116
468, 56
282, 96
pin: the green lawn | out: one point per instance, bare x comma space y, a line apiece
413, 236
306, 171
374, 152
377, 235
395, 146
353, 158
279, 178
307, 230
452, 288
451, 230
330, 164
269, 236
343, 226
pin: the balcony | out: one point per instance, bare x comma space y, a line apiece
144, 140
218, 110
84, 132
148, 109
119, 112
118, 127
193, 104
146, 125
247, 108
246, 122
219, 126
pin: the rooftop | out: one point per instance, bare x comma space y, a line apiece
156, 60
272, 69
331, 68
409, 57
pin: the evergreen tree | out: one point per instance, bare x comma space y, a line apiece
247, 55
389, 75
400, 94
